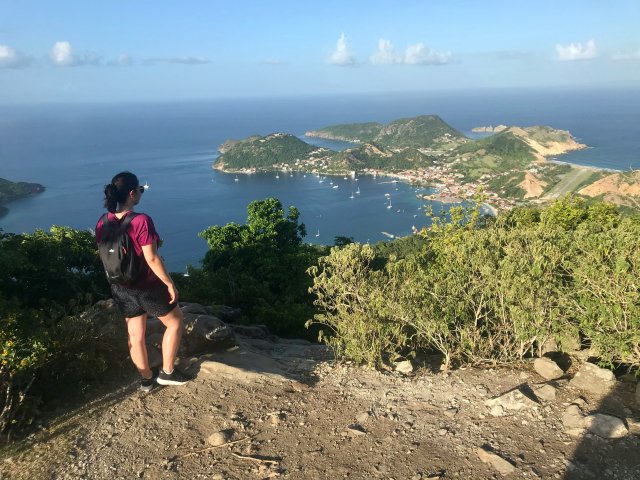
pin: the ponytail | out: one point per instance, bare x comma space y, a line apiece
117, 191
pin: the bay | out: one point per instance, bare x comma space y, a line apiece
74, 150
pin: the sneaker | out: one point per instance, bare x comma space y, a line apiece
146, 384
174, 378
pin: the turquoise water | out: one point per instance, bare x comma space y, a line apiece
75, 150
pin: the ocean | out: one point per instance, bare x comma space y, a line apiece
74, 150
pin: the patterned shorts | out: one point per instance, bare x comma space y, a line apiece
133, 302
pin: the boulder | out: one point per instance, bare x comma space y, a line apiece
548, 346
192, 308
204, 334
500, 464
605, 426
594, 379
225, 313
403, 367
515, 399
106, 318
546, 392
251, 331
573, 421
547, 368
638, 393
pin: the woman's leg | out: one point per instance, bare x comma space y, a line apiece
136, 327
171, 338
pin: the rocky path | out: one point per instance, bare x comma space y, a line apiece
273, 408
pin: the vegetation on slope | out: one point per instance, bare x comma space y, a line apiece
376, 157
14, 190
492, 292
418, 132
265, 152
349, 132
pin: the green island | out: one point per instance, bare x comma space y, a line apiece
10, 191
512, 166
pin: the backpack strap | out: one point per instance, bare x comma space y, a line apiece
106, 223
127, 220
105, 220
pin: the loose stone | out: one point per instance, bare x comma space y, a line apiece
547, 368
594, 379
500, 464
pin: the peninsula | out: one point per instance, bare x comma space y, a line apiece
10, 191
512, 166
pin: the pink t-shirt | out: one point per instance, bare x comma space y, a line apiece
142, 232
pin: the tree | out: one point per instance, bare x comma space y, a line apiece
259, 267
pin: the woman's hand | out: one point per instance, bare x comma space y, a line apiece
173, 293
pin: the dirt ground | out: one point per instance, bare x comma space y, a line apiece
274, 408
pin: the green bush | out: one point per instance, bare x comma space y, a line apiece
46, 279
258, 267
364, 323
606, 301
493, 292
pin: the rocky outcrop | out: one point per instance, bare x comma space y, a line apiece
489, 129
593, 379
203, 333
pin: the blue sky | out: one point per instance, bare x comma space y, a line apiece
124, 50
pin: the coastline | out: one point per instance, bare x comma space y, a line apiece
584, 167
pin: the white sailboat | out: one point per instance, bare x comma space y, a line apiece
352, 195
389, 206
318, 233
358, 191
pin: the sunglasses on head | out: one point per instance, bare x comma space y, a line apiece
141, 189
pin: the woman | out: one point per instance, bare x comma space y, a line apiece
152, 293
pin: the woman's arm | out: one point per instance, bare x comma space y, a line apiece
156, 265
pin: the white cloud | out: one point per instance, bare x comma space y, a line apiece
419, 54
576, 51
62, 55
627, 55
185, 60
385, 54
341, 55
124, 60
11, 58
416, 54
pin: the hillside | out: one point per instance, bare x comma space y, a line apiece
371, 156
621, 188
418, 132
272, 151
350, 132
498, 153
10, 191
547, 141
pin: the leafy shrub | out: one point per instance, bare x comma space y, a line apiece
494, 292
258, 267
606, 301
354, 299
45, 280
